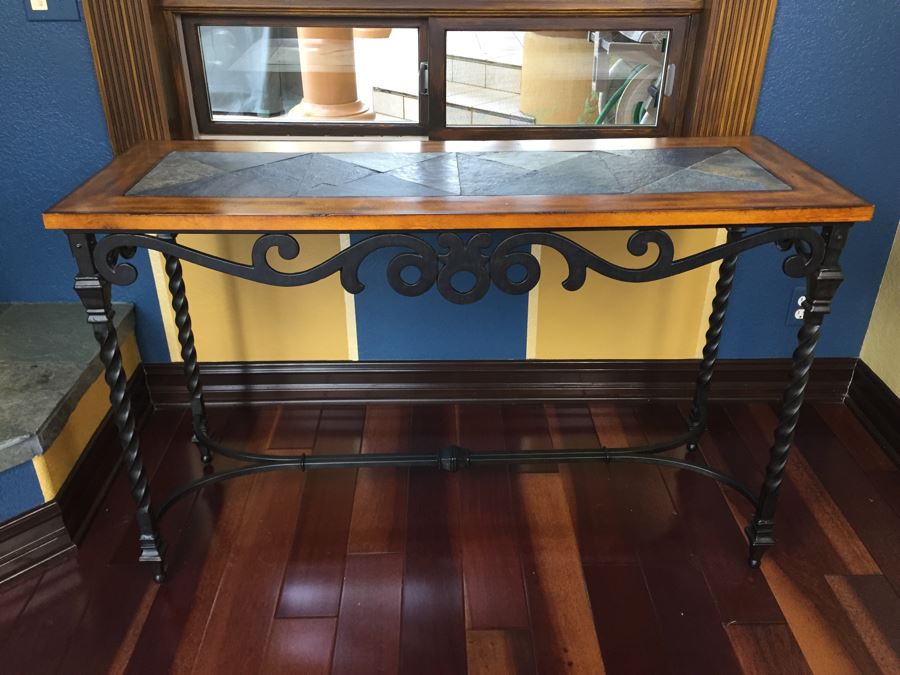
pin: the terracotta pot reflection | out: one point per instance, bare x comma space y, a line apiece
328, 72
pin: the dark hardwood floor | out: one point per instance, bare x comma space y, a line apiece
571, 569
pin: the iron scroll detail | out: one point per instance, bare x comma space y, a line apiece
455, 255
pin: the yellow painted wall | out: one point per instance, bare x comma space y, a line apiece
610, 319
238, 320
53, 467
880, 349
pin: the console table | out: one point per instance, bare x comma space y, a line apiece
491, 202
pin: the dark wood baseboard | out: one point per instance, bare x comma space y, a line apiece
50, 532
32, 540
488, 381
877, 407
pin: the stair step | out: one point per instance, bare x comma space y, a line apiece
466, 105
485, 73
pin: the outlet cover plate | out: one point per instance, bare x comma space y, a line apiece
57, 10
796, 310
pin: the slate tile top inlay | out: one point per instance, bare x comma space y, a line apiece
439, 174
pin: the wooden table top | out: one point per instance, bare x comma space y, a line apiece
322, 186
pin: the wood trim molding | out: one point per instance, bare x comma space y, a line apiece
32, 540
437, 7
127, 41
487, 381
877, 407
135, 47
729, 59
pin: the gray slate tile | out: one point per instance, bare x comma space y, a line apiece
383, 161
735, 164
585, 174
235, 161
531, 160
376, 185
173, 170
688, 180
683, 157
48, 359
633, 172
483, 177
440, 173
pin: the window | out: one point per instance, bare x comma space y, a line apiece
441, 78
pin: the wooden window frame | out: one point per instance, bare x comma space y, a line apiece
198, 90
432, 49
678, 27
137, 48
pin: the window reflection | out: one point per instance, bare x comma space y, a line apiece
555, 78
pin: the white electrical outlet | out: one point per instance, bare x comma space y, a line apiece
39, 5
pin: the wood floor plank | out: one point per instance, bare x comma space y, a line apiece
874, 610
562, 624
115, 582
650, 609
659, 534
873, 520
432, 633
806, 510
526, 428
315, 570
14, 596
492, 570
767, 649
499, 652
250, 582
741, 593
847, 428
297, 426
796, 566
368, 629
590, 488
378, 523
627, 629
43, 631
176, 624
300, 646
647, 521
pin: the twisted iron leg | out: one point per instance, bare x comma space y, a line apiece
188, 350
697, 419
821, 287
95, 295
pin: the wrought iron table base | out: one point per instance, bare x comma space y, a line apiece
103, 262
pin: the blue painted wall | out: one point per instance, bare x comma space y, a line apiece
390, 326
53, 137
831, 96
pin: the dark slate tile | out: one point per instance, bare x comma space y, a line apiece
384, 161
735, 164
297, 176
235, 161
688, 180
586, 174
530, 160
252, 182
173, 170
321, 170
479, 176
634, 172
375, 185
683, 157
440, 173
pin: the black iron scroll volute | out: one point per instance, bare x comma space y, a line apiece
454, 255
